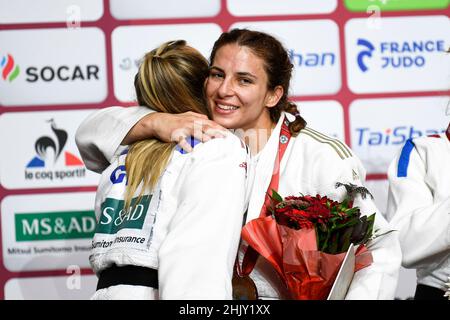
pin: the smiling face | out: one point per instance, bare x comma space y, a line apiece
237, 91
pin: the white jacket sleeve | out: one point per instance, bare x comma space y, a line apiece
379, 280
424, 224
196, 258
99, 136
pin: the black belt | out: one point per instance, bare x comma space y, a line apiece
424, 292
129, 275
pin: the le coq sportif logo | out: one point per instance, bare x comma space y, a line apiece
45, 146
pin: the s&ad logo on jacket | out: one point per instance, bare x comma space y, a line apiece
115, 218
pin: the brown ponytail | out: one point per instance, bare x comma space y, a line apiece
299, 123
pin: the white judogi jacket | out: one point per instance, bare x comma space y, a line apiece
312, 164
419, 207
188, 227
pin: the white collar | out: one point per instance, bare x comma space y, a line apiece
264, 169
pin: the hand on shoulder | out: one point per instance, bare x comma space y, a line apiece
178, 127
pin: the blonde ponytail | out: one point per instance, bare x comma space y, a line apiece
170, 79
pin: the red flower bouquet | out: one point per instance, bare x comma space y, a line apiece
306, 238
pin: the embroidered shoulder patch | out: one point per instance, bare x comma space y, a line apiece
341, 149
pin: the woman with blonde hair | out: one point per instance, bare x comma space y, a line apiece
169, 221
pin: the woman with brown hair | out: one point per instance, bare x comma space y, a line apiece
160, 210
247, 90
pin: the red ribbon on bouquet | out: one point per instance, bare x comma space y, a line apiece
241, 278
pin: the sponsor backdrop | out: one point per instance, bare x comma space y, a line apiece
370, 72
